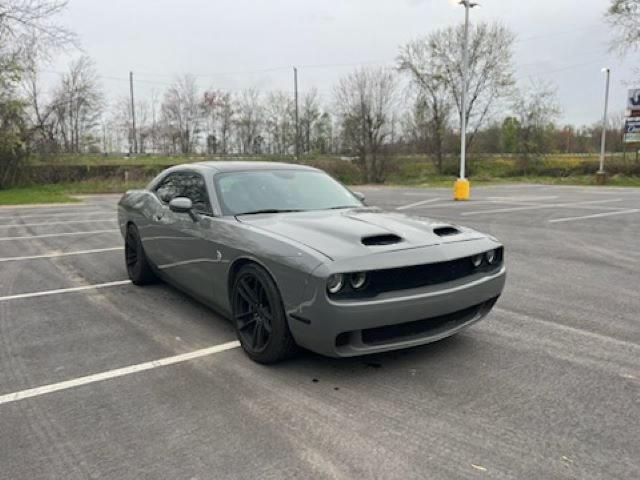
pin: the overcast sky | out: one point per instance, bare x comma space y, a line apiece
235, 44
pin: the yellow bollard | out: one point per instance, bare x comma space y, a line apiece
461, 189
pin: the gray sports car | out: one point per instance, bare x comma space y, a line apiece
294, 258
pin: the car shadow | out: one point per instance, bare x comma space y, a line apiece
438, 355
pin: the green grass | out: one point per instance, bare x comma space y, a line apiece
64, 192
32, 195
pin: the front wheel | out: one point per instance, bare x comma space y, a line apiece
259, 318
138, 268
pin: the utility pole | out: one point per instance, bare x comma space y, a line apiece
603, 139
133, 115
462, 188
295, 94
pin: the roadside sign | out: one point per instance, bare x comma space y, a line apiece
632, 137
631, 126
633, 99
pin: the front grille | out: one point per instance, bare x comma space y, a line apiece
417, 276
420, 328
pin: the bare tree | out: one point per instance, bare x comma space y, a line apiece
309, 117
279, 122
365, 100
249, 120
226, 118
77, 103
624, 18
535, 111
490, 77
432, 102
28, 25
182, 111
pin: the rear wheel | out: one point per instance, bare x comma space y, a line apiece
259, 318
138, 267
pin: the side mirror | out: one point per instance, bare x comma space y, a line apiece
360, 196
181, 205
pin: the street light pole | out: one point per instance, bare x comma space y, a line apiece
462, 188
603, 140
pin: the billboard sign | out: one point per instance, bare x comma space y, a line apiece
633, 99
632, 131
632, 126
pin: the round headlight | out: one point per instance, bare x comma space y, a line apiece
492, 256
357, 280
477, 260
335, 283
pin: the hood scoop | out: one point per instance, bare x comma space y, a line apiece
446, 231
381, 240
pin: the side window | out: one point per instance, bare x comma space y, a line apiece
194, 188
185, 184
169, 188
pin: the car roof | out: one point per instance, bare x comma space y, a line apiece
238, 166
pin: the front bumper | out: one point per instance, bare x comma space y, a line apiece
395, 320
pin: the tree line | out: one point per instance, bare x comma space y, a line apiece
372, 114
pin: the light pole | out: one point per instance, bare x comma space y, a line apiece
603, 140
462, 188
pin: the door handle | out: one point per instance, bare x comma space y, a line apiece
157, 218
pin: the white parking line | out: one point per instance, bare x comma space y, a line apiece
52, 235
417, 204
595, 215
46, 224
119, 372
60, 254
524, 198
541, 206
44, 207
48, 215
59, 291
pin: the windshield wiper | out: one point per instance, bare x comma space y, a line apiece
343, 207
267, 210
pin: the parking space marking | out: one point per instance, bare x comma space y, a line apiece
17, 215
595, 215
52, 235
417, 204
524, 198
63, 206
118, 372
452, 203
541, 206
46, 224
60, 254
60, 291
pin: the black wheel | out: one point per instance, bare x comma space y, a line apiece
259, 317
138, 267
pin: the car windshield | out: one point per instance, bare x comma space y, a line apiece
275, 191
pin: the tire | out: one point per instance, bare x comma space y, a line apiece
138, 267
259, 318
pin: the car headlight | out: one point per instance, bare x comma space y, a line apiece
477, 260
357, 280
335, 283
492, 257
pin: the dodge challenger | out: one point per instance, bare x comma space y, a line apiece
296, 259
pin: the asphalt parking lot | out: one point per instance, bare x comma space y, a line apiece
101, 379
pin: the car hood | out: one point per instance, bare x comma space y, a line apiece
340, 234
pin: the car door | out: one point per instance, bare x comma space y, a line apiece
156, 234
190, 255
